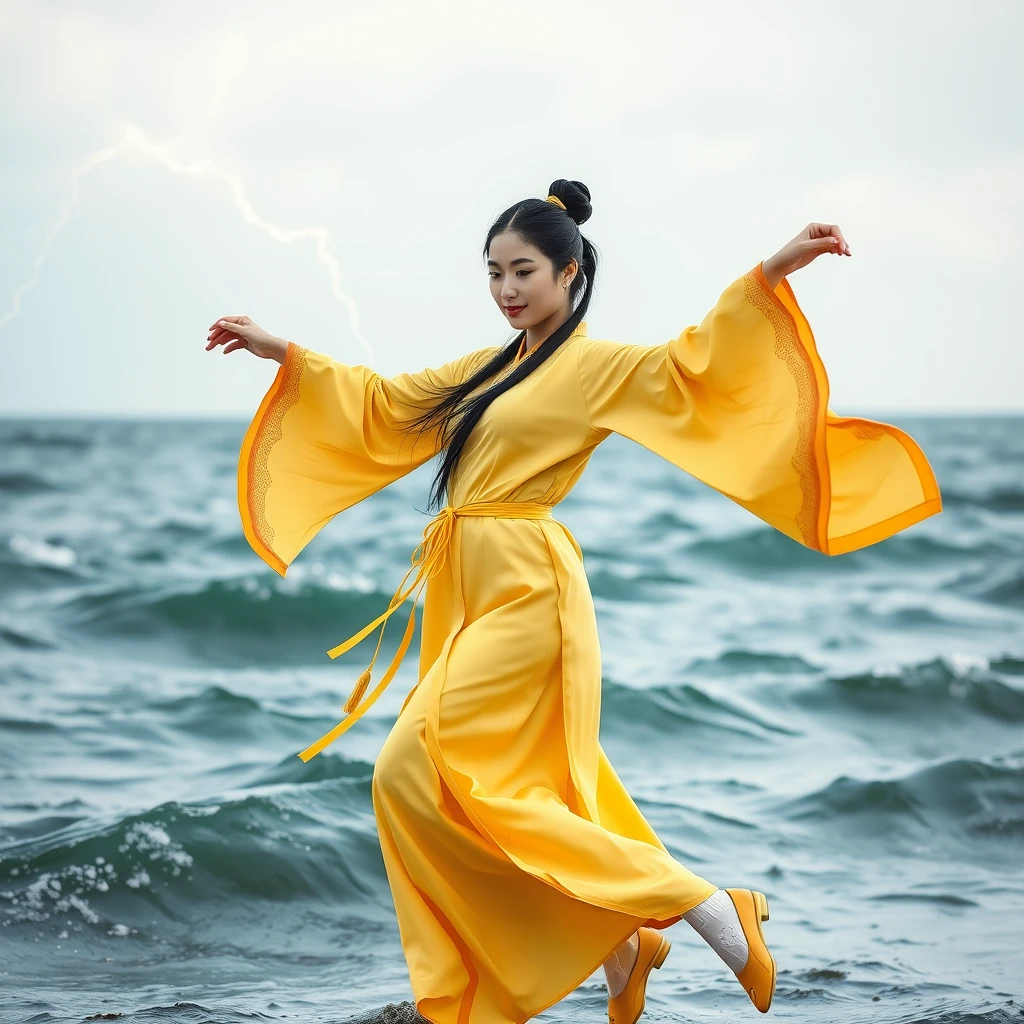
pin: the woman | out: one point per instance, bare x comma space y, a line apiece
517, 860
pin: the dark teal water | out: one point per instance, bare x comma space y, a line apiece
845, 734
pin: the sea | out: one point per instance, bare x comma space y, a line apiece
845, 734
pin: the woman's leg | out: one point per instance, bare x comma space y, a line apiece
715, 920
718, 924
619, 965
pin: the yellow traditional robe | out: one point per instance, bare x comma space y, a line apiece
517, 860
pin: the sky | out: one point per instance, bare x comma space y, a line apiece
331, 169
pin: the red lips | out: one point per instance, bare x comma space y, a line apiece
514, 310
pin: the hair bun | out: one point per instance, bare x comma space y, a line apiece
576, 197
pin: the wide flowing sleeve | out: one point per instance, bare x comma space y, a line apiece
326, 436
741, 402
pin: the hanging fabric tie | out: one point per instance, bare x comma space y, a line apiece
428, 559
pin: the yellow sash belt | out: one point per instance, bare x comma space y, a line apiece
428, 558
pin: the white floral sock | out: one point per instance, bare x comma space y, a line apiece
618, 966
719, 926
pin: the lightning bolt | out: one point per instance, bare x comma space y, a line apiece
135, 140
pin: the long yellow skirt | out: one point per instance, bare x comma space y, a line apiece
476, 805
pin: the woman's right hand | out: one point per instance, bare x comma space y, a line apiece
242, 332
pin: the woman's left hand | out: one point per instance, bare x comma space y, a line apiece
814, 240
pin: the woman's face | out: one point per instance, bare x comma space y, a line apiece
523, 282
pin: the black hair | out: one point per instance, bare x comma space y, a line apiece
555, 232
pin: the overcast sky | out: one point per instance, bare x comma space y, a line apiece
331, 170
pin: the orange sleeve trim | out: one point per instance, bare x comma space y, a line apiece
804, 365
817, 465
253, 475
886, 528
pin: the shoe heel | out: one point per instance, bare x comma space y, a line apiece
659, 957
761, 905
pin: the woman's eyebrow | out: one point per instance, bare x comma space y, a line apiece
521, 259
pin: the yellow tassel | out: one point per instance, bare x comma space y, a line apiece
357, 694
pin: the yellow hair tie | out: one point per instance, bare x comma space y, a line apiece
556, 201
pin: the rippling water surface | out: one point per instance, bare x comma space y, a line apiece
845, 734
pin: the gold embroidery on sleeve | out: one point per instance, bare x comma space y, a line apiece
268, 434
789, 349
863, 431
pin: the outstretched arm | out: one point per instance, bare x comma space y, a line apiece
815, 240
740, 402
326, 436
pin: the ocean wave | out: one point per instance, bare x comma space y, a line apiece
742, 661
1009, 498
233, 622
936, 688
219, 713
1008, 665
658, 525
767, 548
615, 583
23, 483
46, 436
22, 637
312, 837
1001, 584
665, 709
958, 798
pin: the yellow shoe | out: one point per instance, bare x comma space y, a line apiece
626, 1007
758, 974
